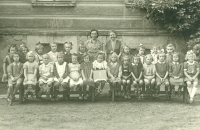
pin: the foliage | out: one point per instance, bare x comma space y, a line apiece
177, 16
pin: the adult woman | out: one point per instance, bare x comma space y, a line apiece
113, 45
93, 45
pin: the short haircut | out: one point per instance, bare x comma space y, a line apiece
46, 55
60, 54
94, 30
30, 53
113, 31
69, 43
190, 52
161, 53
113, 55
149, 56
13, 46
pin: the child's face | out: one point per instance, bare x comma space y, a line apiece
24, 50
16, 58
148, 60
86, 59
82, 48
126, 50
113, 36
67, 47
141, 51
46, 59
12, 50
136, 60
175, 58
74, 59
161, 58
154, 50
126, 60
40, 50
31, 58
53, 47
190, 58
100, 58
94, 35
113, 59
169, 49
60, 59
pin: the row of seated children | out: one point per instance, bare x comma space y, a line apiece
117, 73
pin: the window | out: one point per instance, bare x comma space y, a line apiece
70, 3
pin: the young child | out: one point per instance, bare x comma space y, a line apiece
176, 73
60, 71
86, 71
141, 51
7, 61
23, 52
46, 76
39, 52
81, 53
15, 72
162, 75
67, 54
149, 72
100, 64
30, 74
126, 76
154, 53
170, 50
53, 53
75, 81
115, 73
137, 69
191, 71
125, 52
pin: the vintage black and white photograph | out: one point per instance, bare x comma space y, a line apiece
100, 64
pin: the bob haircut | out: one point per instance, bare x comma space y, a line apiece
60, 54
160, 54
13, 46
69, 43
39, 46
113, 55
189, 53
112, 31
30, 53
102, 54
149, 56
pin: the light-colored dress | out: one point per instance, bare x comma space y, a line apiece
30, 68
46, 70
75, 77
53, 56
148, 71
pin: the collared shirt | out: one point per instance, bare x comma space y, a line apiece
149, 70
191, 68
15, 69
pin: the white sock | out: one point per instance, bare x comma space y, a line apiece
189, 88
194, 89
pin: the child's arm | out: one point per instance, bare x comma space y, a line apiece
181, 71
170, 71
166, 74
83, 75
197, 69
185, 71
109, 73
35, 72
10, 72
91, 74
66, 74
133, 75
120, 72
20, 74
5, 67
140, 75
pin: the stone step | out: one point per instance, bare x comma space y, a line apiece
81, 22
81, 8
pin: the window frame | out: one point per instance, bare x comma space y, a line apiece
66, 3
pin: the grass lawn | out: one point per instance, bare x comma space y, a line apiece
102, 114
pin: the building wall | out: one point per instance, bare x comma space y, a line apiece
20, 22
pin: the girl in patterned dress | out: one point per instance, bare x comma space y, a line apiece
126, 76
53, 53
30, 74
115, 73
191, 71
176, 73
93, 45
86, 71
46, 76
75, 82
137, 69
149, 72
